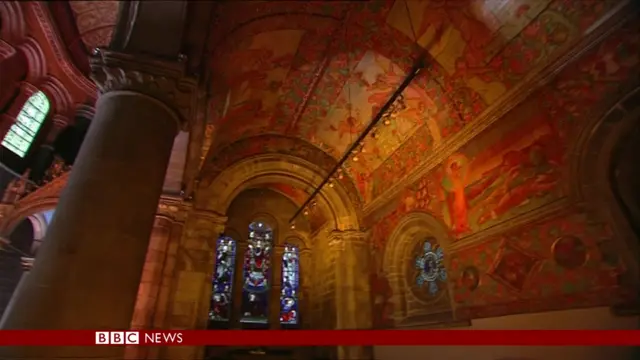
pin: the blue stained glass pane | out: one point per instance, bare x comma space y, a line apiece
290, 285
27, 124
256, 266
220, 309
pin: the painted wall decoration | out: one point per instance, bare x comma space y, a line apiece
469, 278
220, 309
428, 271
518, 272
257, 270
516, 165
513, 266
543, 37
569, 252
290, 285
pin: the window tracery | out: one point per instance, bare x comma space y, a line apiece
29, 120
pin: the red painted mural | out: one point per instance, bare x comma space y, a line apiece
321, 74
518, 165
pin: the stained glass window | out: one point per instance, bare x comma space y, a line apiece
256, 266
430, 265
220, 309
290, 282
24, 130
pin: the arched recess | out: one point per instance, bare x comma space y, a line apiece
36, 61
594, 160
58, 95
399, 255
14, 27
277, 168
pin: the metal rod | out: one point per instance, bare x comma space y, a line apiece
415, 70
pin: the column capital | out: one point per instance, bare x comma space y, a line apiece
162, 80
173, 208
348, 236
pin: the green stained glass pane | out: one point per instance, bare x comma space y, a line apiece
28, 122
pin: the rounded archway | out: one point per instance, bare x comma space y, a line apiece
415, 263
605, 170
18, 251
277, 168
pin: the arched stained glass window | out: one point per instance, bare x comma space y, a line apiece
290, 284
220, 309
256, 266
24, 130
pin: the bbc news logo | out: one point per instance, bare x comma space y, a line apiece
135, 337
117, 337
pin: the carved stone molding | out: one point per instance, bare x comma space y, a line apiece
338, 239
85, 111
162, 80
215, 220
41, 11
173, 208
6, 50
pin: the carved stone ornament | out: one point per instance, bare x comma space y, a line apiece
163, 80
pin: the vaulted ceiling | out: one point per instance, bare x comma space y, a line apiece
316, 73
305, 78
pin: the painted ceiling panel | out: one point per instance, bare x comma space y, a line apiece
95, 21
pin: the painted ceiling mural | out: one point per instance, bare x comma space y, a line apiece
322, 76
95, 21
514, 167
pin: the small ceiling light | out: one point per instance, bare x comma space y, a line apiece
340, 176
387, 121
330, 184
355, 158
314, 203
374, 135
293, 226
306, 212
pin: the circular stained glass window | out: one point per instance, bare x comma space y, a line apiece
428, 272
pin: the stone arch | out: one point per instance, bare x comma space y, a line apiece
58, 95
253, 171
14, 27
24, 211
36, 61
397, 255
298, 241
592, 171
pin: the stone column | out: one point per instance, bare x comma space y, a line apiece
191, 288
352, 296
90, 262
157, 273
